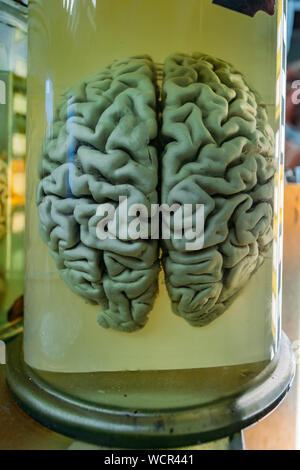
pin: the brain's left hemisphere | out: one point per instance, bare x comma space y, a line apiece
100, 148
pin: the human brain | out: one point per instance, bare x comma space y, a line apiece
219, 153
215, 148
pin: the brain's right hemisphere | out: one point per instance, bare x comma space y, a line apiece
99, 148
218, 152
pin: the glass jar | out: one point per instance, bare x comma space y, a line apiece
13, 71
135, 107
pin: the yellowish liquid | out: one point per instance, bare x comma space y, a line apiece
61, 333
148, 390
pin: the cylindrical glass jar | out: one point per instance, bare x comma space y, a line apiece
13, 71
158, 102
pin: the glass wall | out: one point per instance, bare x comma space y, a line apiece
140, 107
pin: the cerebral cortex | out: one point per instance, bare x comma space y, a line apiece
218, 152
198, 136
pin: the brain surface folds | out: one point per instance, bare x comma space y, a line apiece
99, 148
218, 151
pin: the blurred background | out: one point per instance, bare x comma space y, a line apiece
281, 430
13, 73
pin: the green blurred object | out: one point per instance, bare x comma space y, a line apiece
13, 72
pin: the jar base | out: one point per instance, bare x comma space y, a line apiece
152, 428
